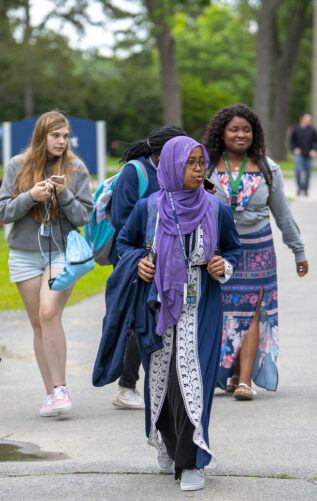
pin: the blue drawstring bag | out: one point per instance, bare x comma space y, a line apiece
79, 261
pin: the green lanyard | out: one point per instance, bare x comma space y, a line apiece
235, 183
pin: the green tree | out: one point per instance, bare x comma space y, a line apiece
68, 11
200, 103
157, 17
282, 24
218, 47
300, 90
126, 93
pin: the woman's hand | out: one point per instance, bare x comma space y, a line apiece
41, 191
146, 269
59, 186
302, 268
216, 266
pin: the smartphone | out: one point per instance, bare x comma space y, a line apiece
208, 185
58, 179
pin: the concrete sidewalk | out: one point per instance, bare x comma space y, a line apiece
266, 449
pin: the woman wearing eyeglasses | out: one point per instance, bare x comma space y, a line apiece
180, 243
252, 184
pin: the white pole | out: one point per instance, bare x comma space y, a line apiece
101, 150
6, 143
6, 128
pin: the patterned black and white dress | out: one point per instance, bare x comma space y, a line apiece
187, 363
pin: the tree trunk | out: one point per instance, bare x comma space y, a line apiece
170, 83
284, 60
264, 56
275, 63
28, 102
28, 89
166, 45
277, 135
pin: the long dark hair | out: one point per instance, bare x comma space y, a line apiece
213, 138
153, 144
35, 156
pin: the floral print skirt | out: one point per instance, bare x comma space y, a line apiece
256, 270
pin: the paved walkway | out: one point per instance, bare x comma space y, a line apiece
266, 449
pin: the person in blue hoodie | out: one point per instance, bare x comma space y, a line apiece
125, 196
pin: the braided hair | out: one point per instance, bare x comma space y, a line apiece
214, 135
153, 144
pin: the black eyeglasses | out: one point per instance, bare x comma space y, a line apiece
201, 163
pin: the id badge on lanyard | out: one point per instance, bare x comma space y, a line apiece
190, 293
46, 228
190, 289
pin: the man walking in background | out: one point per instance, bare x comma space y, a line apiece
304, 148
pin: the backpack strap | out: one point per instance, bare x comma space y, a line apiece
266, 171
210, 169
215, 206
151, 217
143, 177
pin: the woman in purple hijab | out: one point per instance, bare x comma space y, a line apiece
191, 246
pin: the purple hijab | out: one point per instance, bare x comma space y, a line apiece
192, 207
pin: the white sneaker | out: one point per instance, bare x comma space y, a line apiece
192, 480
165, 463
128, 398
48, 408
62, 401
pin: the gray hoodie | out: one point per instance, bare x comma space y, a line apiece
256, 213
76, 205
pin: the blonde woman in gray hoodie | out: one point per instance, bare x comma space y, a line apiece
47, 167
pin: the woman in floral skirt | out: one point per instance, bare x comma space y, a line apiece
253, 185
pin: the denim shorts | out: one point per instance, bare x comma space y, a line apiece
24, 265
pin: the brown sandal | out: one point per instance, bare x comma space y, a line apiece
232, 383
244, 392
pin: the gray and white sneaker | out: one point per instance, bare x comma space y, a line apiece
62, 401
165, 463
48, 409
128, 398
192, 480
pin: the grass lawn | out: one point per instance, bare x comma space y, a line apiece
286, 165
91, 284
113, 166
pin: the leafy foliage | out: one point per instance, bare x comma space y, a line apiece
219, 48
200, 103
215, 48
300, 100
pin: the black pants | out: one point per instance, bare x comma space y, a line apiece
175, 426
131, 364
